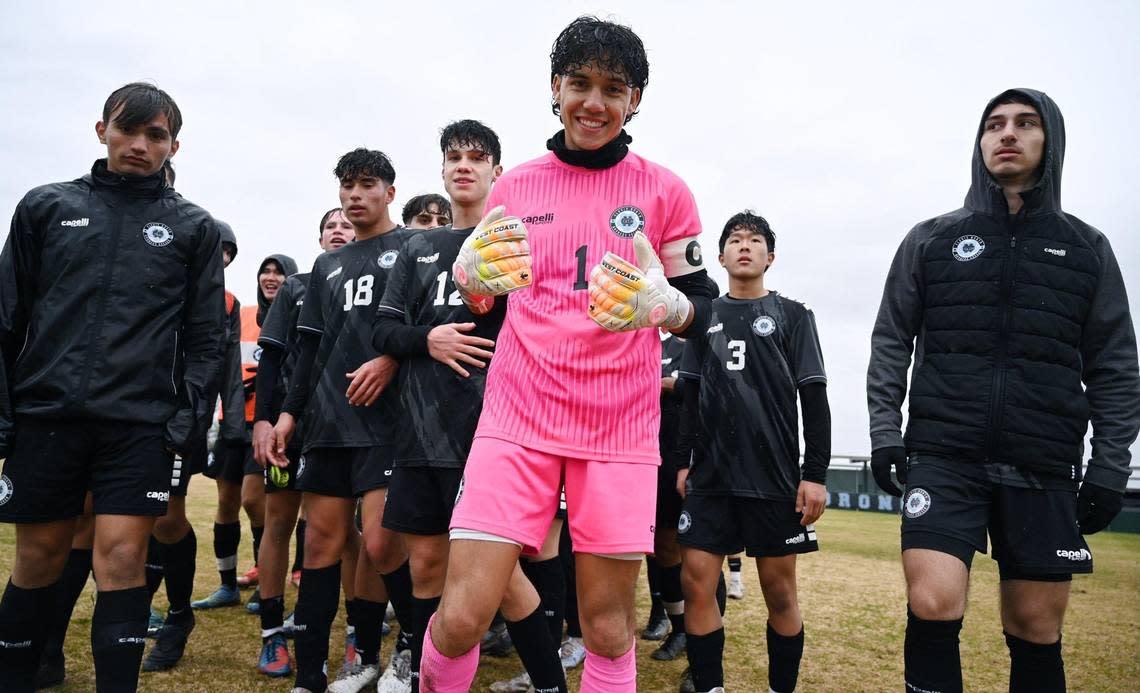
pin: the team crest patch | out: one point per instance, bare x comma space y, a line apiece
684, 522
627, 220
157, 234
6, 489
968, 248
917, 503
257, 354
764, 325
388, 259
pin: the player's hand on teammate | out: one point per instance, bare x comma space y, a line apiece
1096, 506
682, 479
881, 462
449, 344
368, 381
494, 260
282, 434
811, 500
625, 297
263, 439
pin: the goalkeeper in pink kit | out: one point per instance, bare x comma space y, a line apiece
599, 250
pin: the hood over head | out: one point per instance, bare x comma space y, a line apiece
288, 266
227, 233
986, 194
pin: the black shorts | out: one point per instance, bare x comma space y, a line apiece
668, 500
283, 478
55, 462
344, 472
726, 525
232, 463
950, 507
420, 500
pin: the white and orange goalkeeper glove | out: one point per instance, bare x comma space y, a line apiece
494, 260
628, 297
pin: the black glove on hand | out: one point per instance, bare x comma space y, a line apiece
881, 462
1096, 506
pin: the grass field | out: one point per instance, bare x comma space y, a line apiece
852, 598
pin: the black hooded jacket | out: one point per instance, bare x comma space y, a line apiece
288, 267
111, 306
1020, 330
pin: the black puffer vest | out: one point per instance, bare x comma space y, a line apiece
1005, 298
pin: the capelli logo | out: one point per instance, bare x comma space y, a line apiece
547, 218
75, 222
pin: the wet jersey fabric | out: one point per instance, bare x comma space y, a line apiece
279, 329
440, 408
345, 287
559, 383
750, 364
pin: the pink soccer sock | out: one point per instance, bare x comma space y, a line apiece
605, 675
442, 674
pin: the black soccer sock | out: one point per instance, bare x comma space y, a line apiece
299, 550
399, 584
179, 561
153, 565
653, 575
227, 537
369, 623
546, 576
272, 613
422, 609
22, 633
721, 595
257, 533
118, 633
784, 654
705, 659
930, 655
566, 555
350, 615
672, 598
71, 584
734, 565
1035, 668
313, 617
539, 654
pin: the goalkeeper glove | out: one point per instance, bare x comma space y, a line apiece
494, 260
628, 297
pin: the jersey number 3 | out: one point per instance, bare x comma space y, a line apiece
362, 296
736, 362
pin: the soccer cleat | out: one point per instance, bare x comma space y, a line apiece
658, 626
298, 689
735, 586
253, 606
354, 677
154, 623
288, 627
519, 684
51, 671
169, 645
223, 596
672, 648
274, 660
397, 677
572, 653
686, 682
295, 578
248, 578
496, 641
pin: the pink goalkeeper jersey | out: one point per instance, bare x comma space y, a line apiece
559, 383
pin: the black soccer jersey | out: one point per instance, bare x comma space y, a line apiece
280, 330
672, 349
750, 364
344, 289
440, 408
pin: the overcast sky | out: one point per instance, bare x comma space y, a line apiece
842, 123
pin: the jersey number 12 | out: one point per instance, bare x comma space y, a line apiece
453, 299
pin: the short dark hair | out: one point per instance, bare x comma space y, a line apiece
471, 133
365, 163
423, 203
141, 102
607, 45
325, 219
751, 221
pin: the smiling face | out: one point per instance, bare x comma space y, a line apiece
140, 150
1012, 144
468, 173
593, 104
270, 279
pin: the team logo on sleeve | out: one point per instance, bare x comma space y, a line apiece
157, 234
684, 522
968, 248
388, 259
917, 503
627, 220
6, 489
764, 325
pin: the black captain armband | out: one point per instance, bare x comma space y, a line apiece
700, 289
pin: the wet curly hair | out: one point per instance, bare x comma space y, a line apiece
607, 45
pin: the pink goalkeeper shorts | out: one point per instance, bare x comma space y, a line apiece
513, 491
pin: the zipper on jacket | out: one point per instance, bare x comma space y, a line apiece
997, 394
174, 365
110, 254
